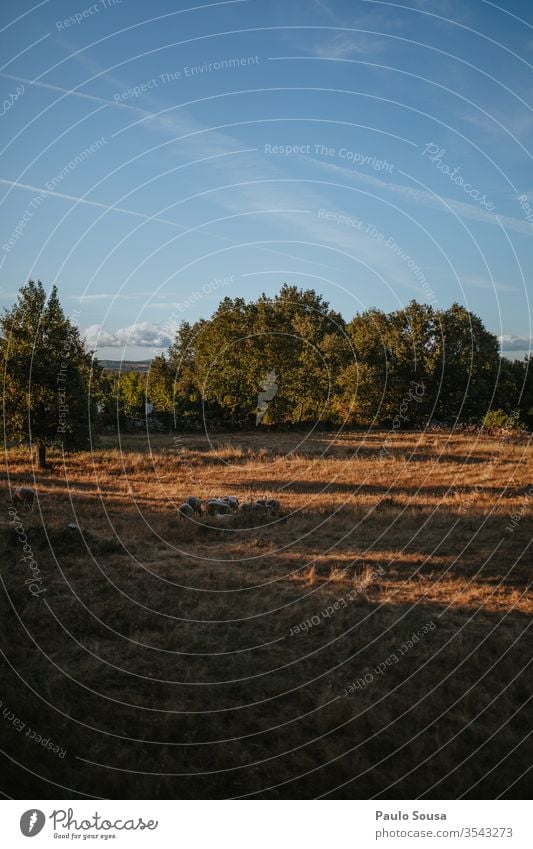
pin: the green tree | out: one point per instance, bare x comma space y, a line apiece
310, 348
186, 390
46, 374
526, 391
424, 362
131, 391
226, 350
510, 386
415, 357
105, 388
468, 363
407, 365
159, 389
224, 361
367, 378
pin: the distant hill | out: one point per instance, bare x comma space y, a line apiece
126, 365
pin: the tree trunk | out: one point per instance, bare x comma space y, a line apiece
42, 455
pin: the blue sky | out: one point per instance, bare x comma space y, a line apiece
158, 157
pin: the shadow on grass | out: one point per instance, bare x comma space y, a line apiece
332, 487
289, 719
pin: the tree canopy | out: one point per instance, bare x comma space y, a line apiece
283, 359
359, 372
46, 373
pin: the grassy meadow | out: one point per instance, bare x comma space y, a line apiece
275, 658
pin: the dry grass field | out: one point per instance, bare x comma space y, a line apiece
275, 658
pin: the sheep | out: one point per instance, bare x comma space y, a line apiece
231, 500
186, 511
254, 507
195, 503
216, 505
262, 504
25, 497
223, 520
269, 504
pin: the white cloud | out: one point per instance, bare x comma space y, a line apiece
343, 46
95, 336
143, 334
516, 122
509, 342
103, 296
272, 192
268, 196
484, 283
428, 199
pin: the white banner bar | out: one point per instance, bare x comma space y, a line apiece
267, 824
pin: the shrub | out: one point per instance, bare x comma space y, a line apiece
500, 420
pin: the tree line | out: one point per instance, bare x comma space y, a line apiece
411, 366
444, 364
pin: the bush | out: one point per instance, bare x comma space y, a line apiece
500, 420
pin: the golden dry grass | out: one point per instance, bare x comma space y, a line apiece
170, 659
